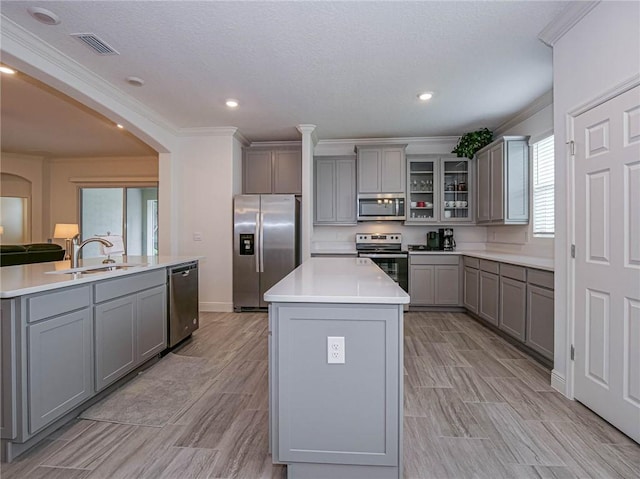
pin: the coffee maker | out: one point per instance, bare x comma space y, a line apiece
447, 243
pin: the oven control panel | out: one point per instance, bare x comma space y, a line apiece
378, 238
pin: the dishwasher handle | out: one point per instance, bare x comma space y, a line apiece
183, 270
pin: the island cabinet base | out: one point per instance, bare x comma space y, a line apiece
336, 420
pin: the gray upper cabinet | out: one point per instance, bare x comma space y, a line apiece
381, 169
335, 190
272, 170
60, 366
503, 181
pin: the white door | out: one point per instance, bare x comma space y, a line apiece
607, 265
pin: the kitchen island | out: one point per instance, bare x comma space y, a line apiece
68, 337
336, 370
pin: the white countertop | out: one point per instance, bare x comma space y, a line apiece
520, 260
33, 278
337, 280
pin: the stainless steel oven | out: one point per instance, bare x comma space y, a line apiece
385, 250
381, 207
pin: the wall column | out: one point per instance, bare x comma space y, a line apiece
309, 141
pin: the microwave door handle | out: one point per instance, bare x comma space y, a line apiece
258, 252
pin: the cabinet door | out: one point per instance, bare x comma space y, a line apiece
447, 285
421, 284
287, 172
489, 297
517, 181
513, 307
540, 320
152, 322
345, 199
325, 182
257, 172
369, 167
115, 323
497, 183
59, 364
456, 198
484, 187
470, 281
8, 370
393, 176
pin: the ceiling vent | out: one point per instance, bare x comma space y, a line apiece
93, 42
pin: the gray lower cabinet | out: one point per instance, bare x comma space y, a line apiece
129, 329
336, 420
513, 307
540, 316
489, 297
434, 280
8, 370
335, 190
470, 284
60, 353
115, 323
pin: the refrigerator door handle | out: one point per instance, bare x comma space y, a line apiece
259, 249
262, 242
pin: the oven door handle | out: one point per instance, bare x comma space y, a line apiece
381, 255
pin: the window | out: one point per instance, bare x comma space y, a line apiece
543, 181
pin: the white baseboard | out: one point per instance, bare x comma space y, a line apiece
212, 307
558, 382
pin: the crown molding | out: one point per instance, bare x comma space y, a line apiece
214, 131
40, 60
565, 21
537, 105
275, 144
414, 141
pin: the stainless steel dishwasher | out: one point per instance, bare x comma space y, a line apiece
183, 301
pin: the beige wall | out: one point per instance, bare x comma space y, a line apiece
30, 168
66, 175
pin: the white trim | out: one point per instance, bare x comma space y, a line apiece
275, 144
565, 21
308, 128
534, 107
214, 131
413, 141
215, 307
605, 96
558, 382
113, 179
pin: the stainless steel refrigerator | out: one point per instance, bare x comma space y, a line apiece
265, 245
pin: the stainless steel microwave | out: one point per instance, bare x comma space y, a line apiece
380, 207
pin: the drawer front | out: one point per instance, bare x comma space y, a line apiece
124, 285
489, 266
53, 304
434, 259
471, 262
541, 278
514, 272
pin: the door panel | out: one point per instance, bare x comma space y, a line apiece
257, 171
246, 278
607, 270
278, 251
497, 183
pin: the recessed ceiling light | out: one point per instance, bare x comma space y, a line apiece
44, 16
7, 70
231, 103
135, 81
120, 126
425, 96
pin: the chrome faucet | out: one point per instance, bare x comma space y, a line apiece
76, 247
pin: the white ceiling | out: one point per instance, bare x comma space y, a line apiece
351, 68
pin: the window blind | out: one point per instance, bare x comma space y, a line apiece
543, 187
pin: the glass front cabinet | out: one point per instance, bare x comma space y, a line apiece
440, 190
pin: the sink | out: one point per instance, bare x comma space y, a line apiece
100, 268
